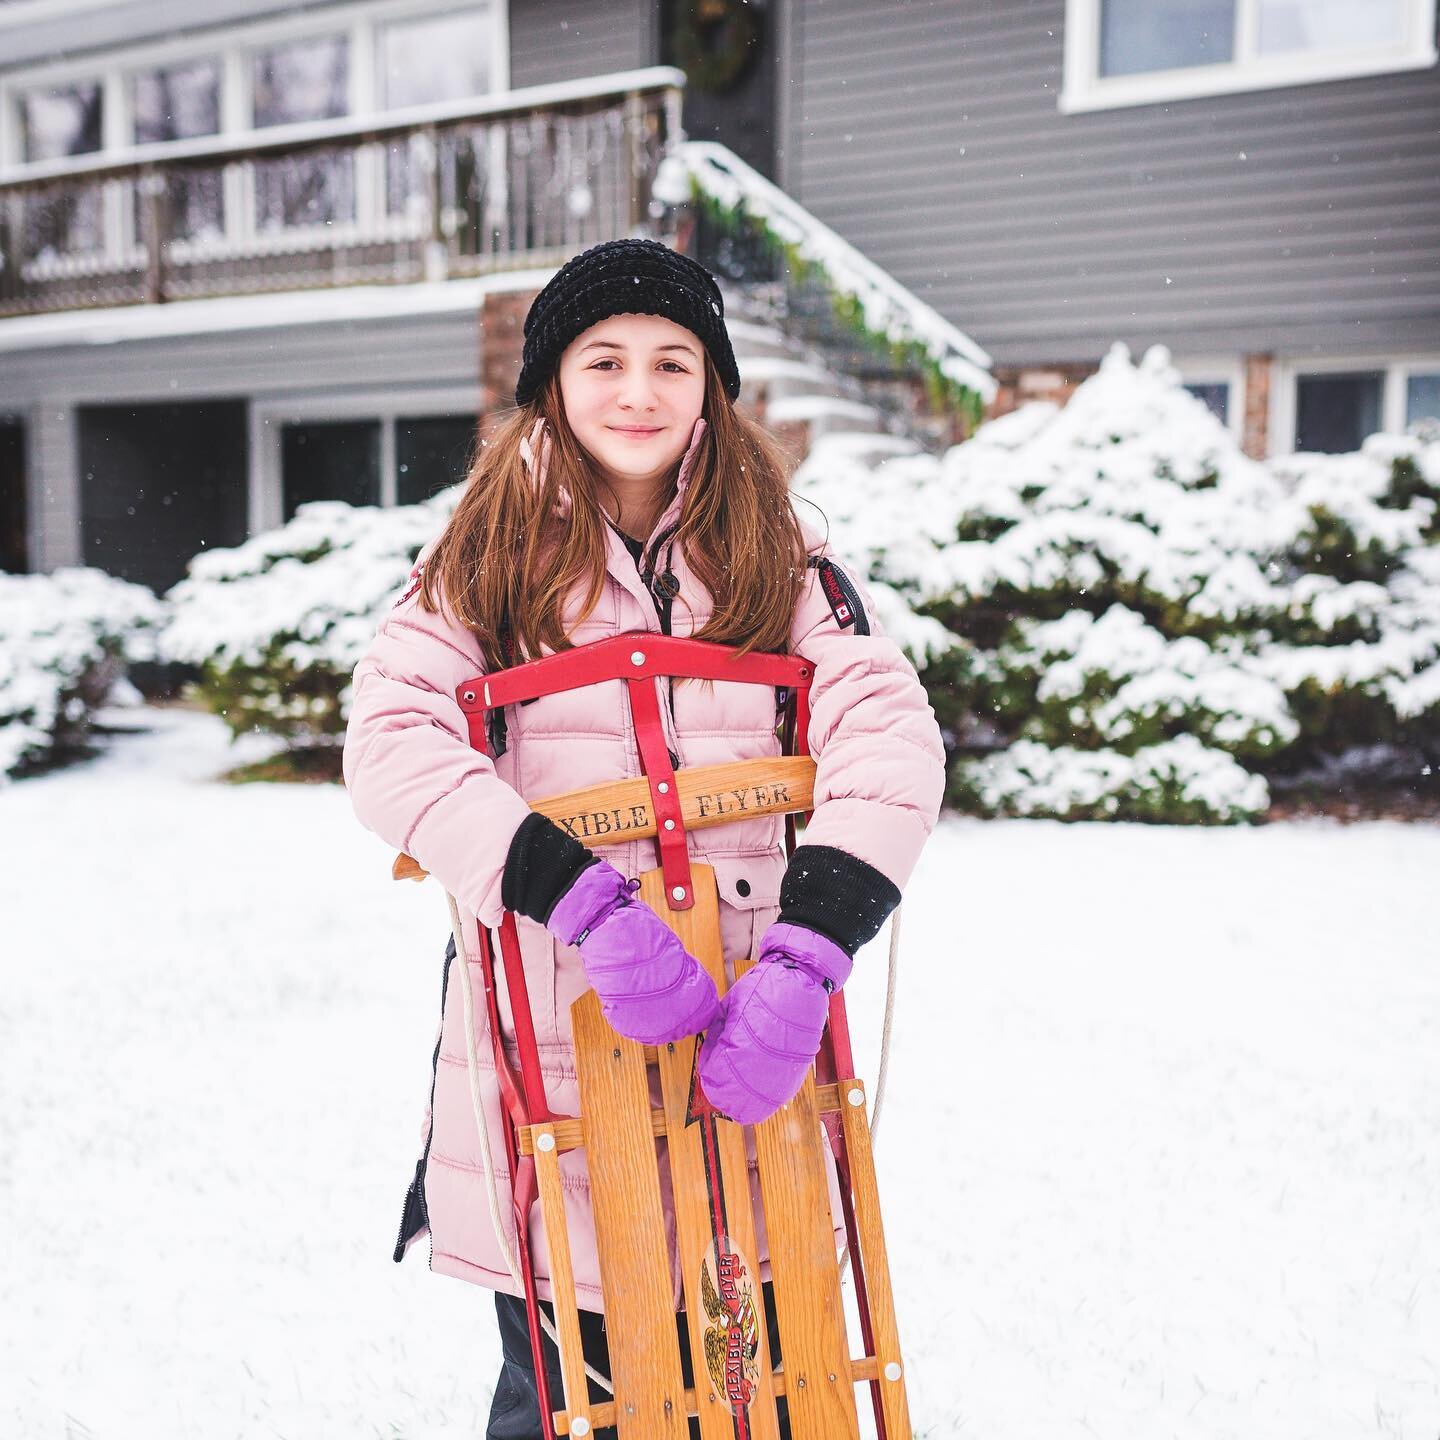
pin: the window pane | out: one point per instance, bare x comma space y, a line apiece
1334, 413
1422, 398
439, 57
431, 453
330, 460
1290, 25
177, 103
56, 123
1141, 35
304, 80
1216, 396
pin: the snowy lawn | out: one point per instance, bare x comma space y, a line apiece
1161, 1153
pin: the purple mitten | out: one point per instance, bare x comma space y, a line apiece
651, 988
771, 1022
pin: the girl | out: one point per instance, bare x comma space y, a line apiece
628, 494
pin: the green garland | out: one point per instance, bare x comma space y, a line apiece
715, 67
941, 391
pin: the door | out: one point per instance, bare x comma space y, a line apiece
14, 548
160, 483
727, 49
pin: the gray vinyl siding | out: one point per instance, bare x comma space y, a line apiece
570, 39
1302, 220
327, 359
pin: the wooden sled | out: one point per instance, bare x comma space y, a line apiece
735, 1389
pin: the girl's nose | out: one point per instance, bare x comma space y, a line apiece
637, 393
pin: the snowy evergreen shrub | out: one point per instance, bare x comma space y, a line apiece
277, 624
65, 640
1179, 781
1168, 620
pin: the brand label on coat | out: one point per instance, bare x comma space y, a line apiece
416, 576
842, 597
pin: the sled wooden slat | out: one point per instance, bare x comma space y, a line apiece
562, 1281
819, 1387
629, 1229
861, 1371
865, 1193
699, 931
709, 795
569, 1133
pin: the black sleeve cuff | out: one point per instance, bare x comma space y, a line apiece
541, 866
832, 892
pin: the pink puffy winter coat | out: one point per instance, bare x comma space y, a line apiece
415, 781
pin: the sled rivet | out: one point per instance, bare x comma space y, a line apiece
678, 893
663, 787
856, 1096
579, 1426
801, 1382
545, 1142
469, 697
637, 657
669, 824
892, 1370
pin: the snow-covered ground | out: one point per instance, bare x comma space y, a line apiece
1161, 1153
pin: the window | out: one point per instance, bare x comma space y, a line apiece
1287, 26
306, 79
60, 122
1216, 395
1422, 397
181, 102
1137, 36
360, 59
434, 58
334, 460
176, 102
1335, 412
432, 453
1140, 52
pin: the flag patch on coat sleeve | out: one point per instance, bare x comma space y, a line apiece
842, 596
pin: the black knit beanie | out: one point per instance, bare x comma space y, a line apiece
624, 277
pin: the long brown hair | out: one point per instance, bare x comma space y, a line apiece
510, 556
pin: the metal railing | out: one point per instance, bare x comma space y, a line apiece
528, 177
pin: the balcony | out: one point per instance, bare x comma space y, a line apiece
526, 178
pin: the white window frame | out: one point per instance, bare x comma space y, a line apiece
1395, 370
1085, 89
266, 508
1228, 371
233, 45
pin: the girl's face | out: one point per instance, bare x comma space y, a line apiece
633, 387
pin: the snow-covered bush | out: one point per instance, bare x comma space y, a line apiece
1135, 599
65, 639
277, 624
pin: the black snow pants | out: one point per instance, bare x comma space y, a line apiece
515, 1415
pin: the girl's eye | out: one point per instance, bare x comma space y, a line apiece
679, 369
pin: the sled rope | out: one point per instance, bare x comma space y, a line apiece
472, 1065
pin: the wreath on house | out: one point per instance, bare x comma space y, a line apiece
713, 41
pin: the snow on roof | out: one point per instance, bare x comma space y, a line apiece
284, 309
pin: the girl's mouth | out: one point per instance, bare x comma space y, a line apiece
636, 432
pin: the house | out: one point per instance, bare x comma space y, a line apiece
355, 197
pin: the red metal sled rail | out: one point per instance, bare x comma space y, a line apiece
735, 1388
